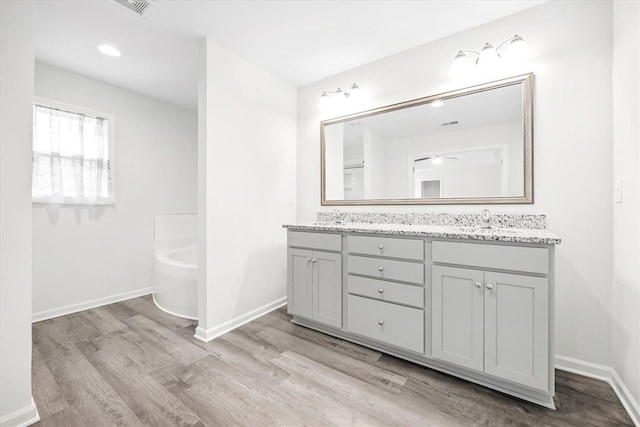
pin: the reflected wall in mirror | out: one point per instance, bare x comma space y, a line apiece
470, 146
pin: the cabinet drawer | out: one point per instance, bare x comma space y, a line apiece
386, 246
390, 323
303, 239
387, 269
516, 258
386, 291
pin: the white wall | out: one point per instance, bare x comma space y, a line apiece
450, 142
571, 58
16, 97
334, 161
375, 158
626, 216
247, 172
95, 254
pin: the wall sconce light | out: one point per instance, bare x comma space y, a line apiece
338, 95
516, 48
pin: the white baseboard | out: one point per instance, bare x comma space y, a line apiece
22, 417
207, 335
606, 374
86, 305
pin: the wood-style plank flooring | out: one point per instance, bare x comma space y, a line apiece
131, 364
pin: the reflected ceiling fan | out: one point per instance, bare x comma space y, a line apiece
436, 160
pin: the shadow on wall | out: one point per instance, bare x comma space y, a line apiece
94, 212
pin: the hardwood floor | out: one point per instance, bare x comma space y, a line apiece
131, 364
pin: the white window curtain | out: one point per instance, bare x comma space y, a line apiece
71, 160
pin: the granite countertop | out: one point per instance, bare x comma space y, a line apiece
519, 235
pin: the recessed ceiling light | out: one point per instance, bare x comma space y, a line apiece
109, 50
437, 103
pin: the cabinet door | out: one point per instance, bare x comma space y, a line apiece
300, 283
457, 310
517, 328
327, 288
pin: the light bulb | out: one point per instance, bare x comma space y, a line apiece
462, 64
109, 50
437, 160
339, 98
517, 49
437, 103
488, 55
324, 101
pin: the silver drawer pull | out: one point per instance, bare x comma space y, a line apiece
380, 268
380, 322
489, 286
381, 247
478, 285
314, 260
380, 290
308, 259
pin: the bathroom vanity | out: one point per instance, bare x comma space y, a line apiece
472, 302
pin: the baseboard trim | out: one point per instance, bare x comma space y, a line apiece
207, 335
22, 417
86, 305
606, 374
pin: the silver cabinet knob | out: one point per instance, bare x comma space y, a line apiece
380, 268
380, 290
381, 247
308, 259
380, 322
489, 286
314, 260
478, 285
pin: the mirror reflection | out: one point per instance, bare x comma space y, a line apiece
461, 147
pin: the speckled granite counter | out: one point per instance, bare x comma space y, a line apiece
505, 228
520, 235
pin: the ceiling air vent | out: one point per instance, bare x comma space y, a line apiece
139, 7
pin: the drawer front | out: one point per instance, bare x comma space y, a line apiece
325, 241
386, 246
380, 268
390, 323
386, 291
516, 258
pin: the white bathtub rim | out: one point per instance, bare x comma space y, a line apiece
162, 255
172, 312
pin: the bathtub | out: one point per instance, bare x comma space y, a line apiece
174, 278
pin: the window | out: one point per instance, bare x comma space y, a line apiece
71, 157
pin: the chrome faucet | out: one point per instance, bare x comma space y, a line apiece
337, 216
485, 216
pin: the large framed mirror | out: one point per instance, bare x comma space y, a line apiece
468, 146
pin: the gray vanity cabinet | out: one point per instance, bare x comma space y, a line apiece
480, 310
385, 286
314, 278
492, 322
457, 323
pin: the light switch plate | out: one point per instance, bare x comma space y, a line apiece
618, 191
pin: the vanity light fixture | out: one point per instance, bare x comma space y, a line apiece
338, 94
488, 55
109, 50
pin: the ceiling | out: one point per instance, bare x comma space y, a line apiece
299, 41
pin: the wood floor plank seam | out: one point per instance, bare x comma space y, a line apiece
131, 364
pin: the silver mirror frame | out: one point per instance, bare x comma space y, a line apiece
527, 121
